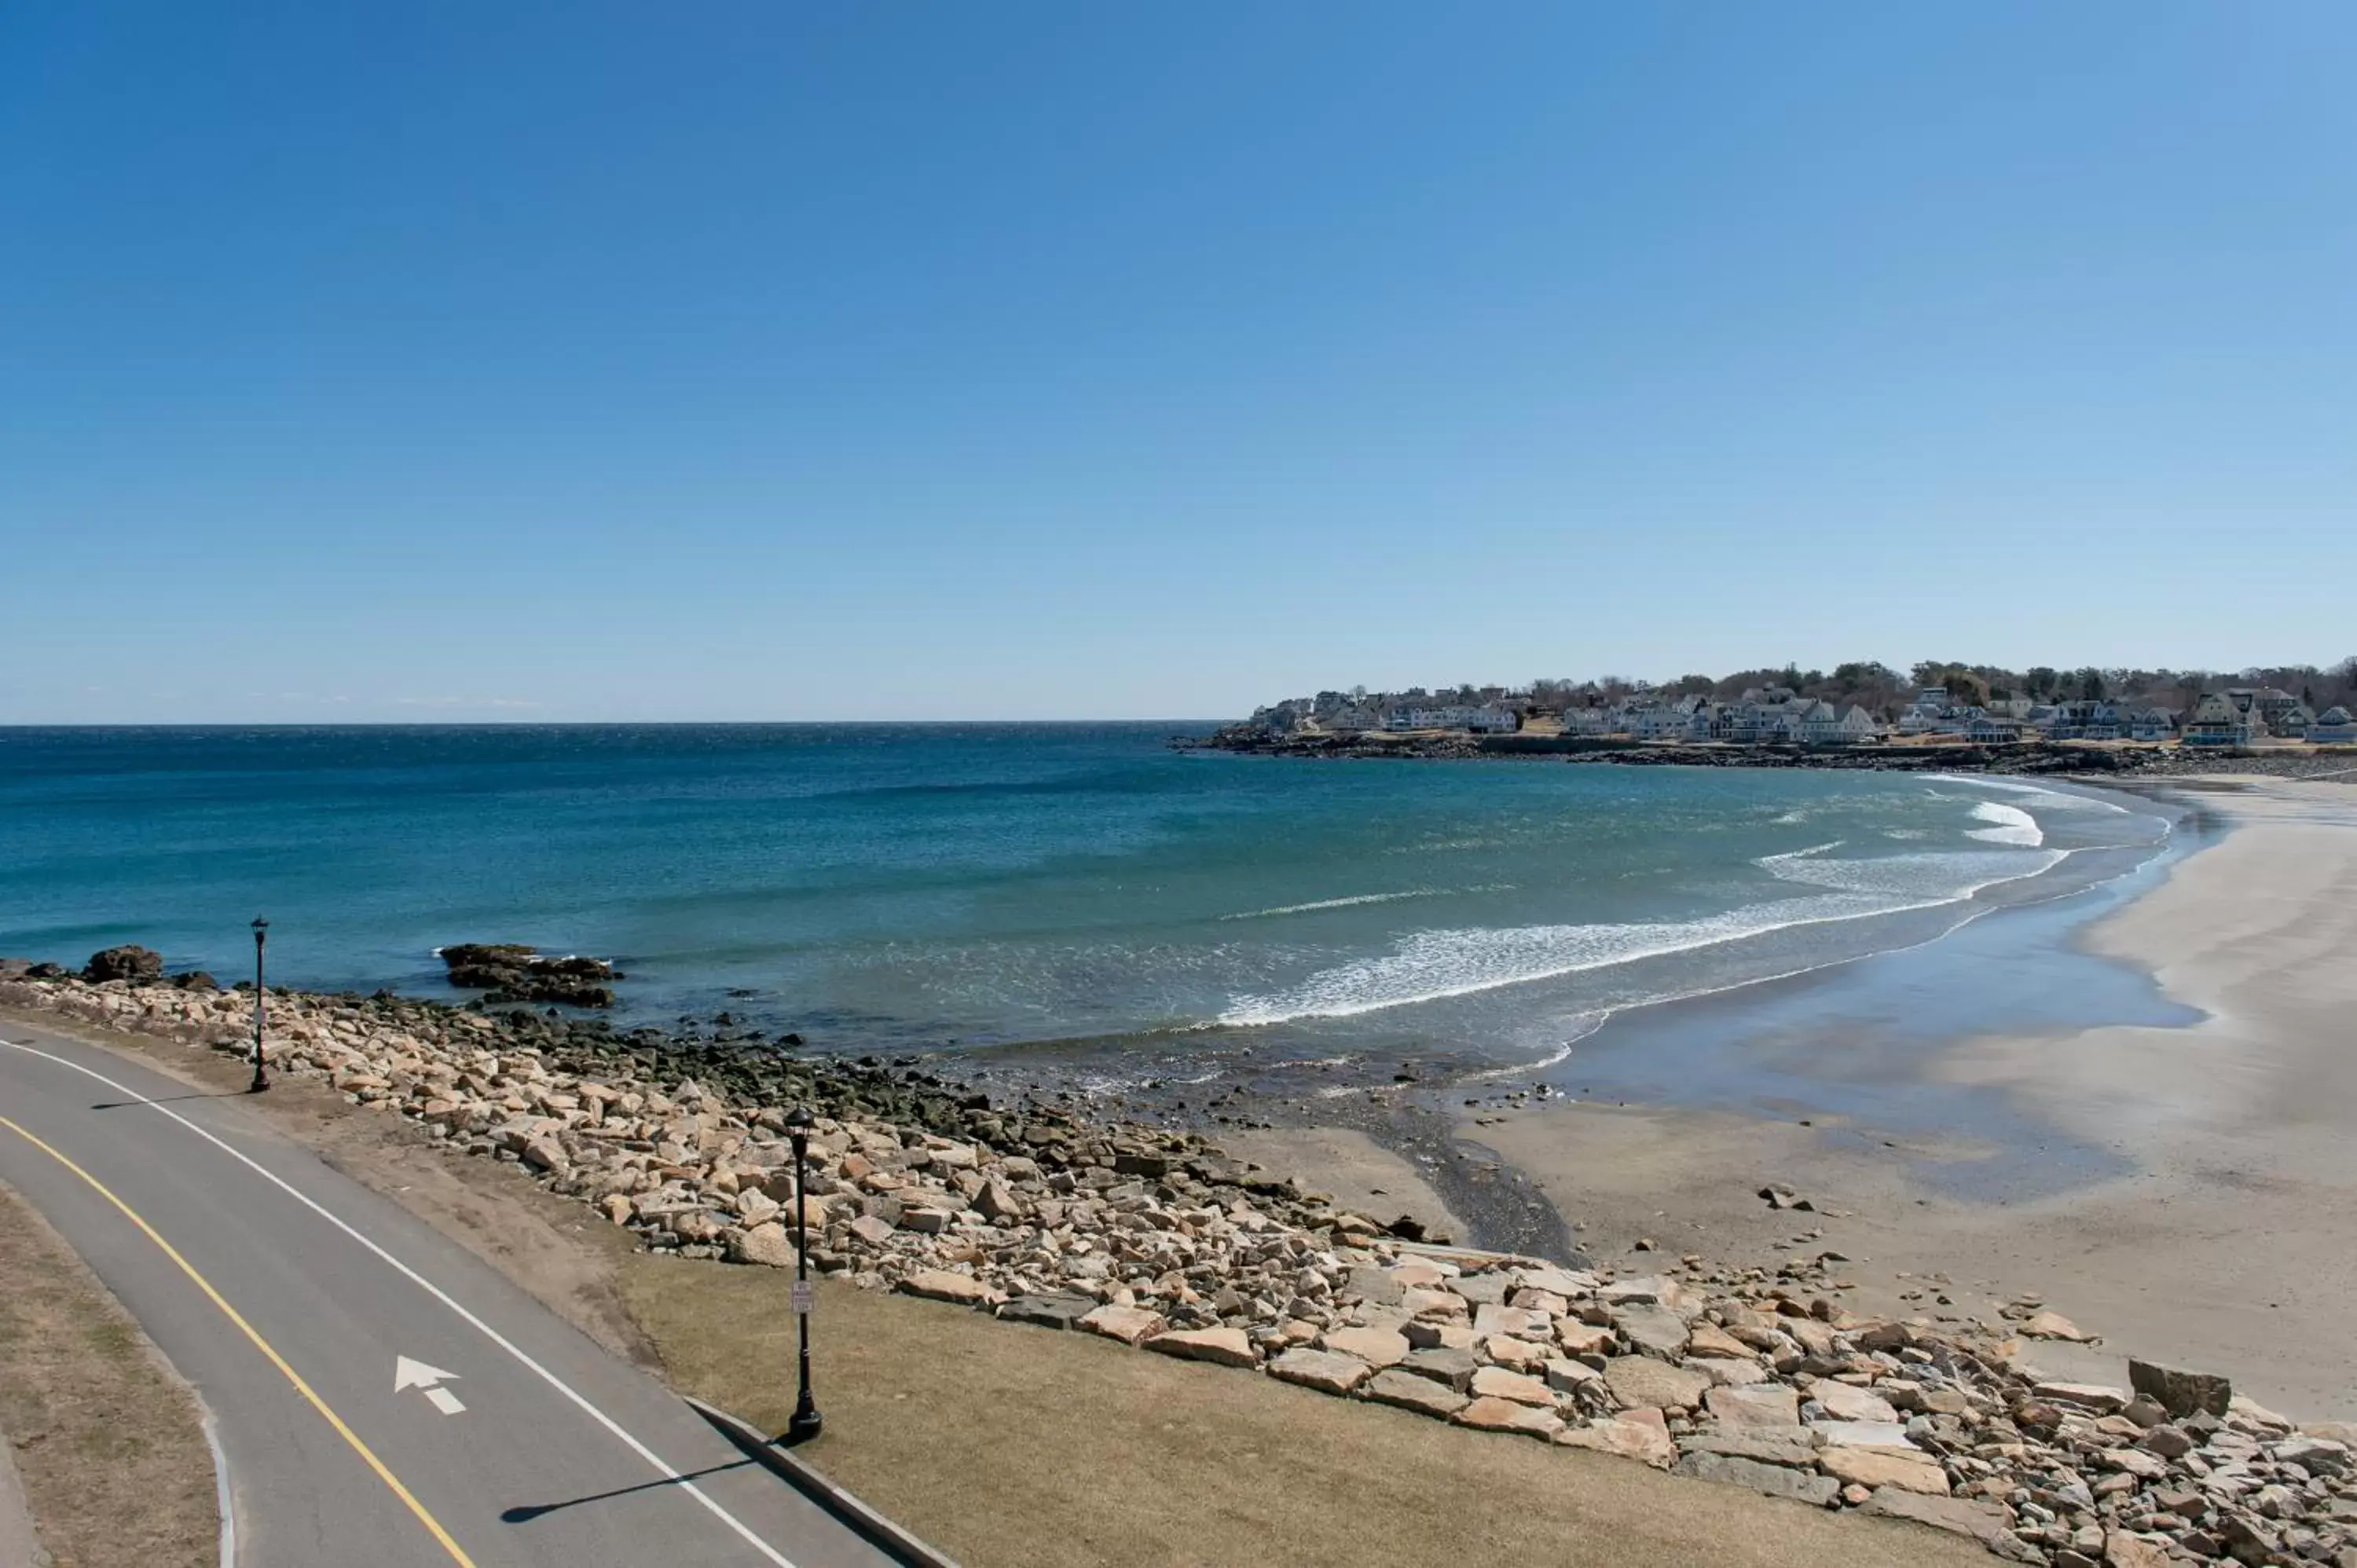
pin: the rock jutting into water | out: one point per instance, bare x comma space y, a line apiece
126, 962
508, 972
1158, 1239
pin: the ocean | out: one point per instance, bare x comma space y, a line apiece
1077, 892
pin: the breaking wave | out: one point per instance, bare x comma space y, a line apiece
1430, 966
2011, 825
2058, 799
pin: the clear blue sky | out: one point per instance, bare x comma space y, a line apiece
796, 360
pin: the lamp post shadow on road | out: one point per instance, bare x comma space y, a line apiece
804, 1423
260, 1078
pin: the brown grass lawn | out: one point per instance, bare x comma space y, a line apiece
108, 1443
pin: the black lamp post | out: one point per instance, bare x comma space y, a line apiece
804, 1423
260, 1078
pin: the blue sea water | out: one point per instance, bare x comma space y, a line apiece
892, 886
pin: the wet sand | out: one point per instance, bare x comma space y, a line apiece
2225, 1237
1359, 1173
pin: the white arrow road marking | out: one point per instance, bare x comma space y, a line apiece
409, 1374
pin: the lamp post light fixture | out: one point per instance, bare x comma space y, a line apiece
260, 1078
804, 1424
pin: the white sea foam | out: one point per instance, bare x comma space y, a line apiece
1770, 862
1429, 966
1337, 903
1588, 1024
2061, 800
1915, 881
1317, 904
2011, 825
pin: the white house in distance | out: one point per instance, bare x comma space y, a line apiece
1757, 718
1353, 719
1476, 721
2216, 721
1763, 717
1933, 712
1822, 724
1990, 729
2333, 727
1645, 719
2085, 719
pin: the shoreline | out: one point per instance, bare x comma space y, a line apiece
2225, 1232
2089, 761
1435, 1130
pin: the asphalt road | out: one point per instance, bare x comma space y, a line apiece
291, 1297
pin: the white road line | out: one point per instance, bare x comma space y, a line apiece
444, 1400
430, 1288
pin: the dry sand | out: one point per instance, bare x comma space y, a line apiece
2231, 1247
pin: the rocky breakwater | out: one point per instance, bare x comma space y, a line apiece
1742, 1376
681, 1140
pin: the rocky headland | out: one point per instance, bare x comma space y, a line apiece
1042, 1214
2028, 759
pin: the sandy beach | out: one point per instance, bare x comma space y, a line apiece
2232, 1243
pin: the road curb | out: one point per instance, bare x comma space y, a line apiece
864, 1521
225, 1498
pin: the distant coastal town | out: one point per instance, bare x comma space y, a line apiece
1935, 707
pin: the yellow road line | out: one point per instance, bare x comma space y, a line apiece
433, 1526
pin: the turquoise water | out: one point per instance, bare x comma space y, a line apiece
892, 887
